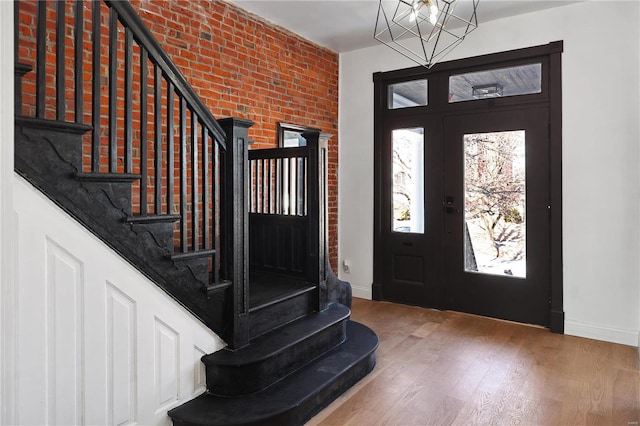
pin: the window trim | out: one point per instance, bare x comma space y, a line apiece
295, 128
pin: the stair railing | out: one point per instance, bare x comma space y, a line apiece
96, 63
287, 211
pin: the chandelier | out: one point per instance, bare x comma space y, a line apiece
425, 30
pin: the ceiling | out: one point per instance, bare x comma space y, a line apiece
344, 25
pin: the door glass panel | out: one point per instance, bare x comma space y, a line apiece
500, 82
495, 203
408, 94
408, 180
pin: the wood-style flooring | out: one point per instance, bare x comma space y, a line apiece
441, 368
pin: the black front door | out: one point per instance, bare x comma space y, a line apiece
466, 213
497, 219
467, 206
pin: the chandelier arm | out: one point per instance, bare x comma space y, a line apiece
424, 48
409, 20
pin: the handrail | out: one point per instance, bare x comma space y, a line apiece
128, 16
256, 154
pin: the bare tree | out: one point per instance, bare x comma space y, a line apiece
401, 179
495, 186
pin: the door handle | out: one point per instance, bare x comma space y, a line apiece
448, 205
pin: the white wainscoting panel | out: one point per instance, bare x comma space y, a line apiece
167, 364
64, 288
199, 374
97, 342
121, 355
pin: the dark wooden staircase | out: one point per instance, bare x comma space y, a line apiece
221, 228
291, 399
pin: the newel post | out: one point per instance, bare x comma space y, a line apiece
317, 214
234, 230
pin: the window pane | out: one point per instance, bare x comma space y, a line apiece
495, 203
291, 138
408, 94
501, 82
408, 180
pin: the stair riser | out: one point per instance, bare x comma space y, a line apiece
296, 398
198, 267
162, 234
36, 147
277, 315
119, 193
305, 411
227, 380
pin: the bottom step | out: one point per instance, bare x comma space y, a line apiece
295, 399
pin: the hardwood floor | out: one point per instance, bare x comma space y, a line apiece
441, 368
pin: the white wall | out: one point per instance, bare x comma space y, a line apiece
98, 343
7, 328
601, 132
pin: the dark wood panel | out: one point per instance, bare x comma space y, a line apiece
278, 243
408, 268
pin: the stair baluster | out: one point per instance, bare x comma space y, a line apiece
79, 63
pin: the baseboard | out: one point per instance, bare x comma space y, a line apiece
361, 291
607, 334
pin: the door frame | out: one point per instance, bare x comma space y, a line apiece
551, 96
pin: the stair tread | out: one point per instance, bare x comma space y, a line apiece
107, 177
213, 287
153, 218
295, 398
21, 68
268, 289
270, 344
52, 125
193, 254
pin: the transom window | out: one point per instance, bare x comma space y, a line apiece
495, 83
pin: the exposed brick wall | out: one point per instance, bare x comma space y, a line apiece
241, 66
244, 66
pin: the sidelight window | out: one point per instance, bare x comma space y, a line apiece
408, 180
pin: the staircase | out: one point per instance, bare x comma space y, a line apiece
143, 165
